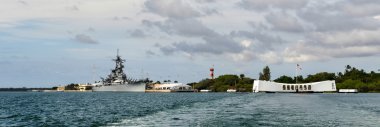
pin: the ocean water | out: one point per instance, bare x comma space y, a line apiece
188, 109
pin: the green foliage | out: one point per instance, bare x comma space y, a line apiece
299, 79
351, 78
285, 79
72, 86
322, 76
361, 86
204, 84
354, 78
244, 87
265, 75
242, 76
224, 82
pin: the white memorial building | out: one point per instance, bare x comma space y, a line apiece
274, 87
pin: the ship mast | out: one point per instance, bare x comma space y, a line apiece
117, 73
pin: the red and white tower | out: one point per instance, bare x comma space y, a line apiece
212, 72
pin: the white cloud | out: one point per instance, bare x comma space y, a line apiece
265, 4
246, 43
270, 57
376, 17
171, 8
243, 56
349, 38
284, 22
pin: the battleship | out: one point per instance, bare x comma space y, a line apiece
118, 81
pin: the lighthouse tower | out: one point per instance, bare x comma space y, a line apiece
212, 72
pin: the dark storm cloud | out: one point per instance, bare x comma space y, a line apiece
82, 38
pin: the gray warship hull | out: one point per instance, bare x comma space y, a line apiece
138, 87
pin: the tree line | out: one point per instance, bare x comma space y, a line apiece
224, 82
351, 78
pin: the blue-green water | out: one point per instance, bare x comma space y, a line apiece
188, 109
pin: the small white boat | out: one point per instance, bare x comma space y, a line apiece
231, 91
348, 91
205, 91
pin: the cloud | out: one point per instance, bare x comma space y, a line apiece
360, 8
150, 53
217, 45
245, 55
211, 42
261, 5
262, 41
171, 8
138, 33
327, 46
90, 29
22, 2
205, 1
333, 17
283, 21
72, 8
349, 38
246, 43
325, 30
117, 18
85, 39
183, 27
270, 57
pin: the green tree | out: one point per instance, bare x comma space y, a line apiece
284, 79
72, 86
299, 79
265, 75
204, 84
242, 76
322, 76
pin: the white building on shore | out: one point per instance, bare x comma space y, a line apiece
171, 87
274, 87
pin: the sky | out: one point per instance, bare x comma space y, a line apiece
45, 43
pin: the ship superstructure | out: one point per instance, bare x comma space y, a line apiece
118, 80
